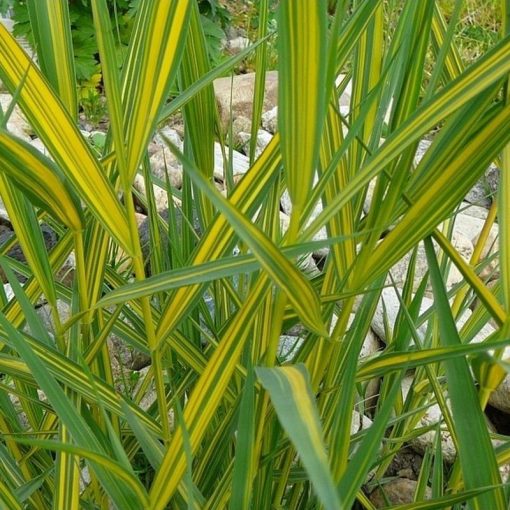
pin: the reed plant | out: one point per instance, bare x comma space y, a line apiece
234, 422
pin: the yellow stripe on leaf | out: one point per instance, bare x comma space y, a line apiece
290, 391
62, 138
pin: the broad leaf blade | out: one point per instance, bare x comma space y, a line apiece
51, 28
302, 65
292, 398
61, 136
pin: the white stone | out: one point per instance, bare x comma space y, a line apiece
431, 416
471, 226
345, 97
238, 44
388, 312
423, 147
392, 305
399, 271
474, 211
240, 163
17, 123
163, 162
263, 139
4, 215
270, 120
234, 96
286, 205
160, 194
359, 422
9, 293
44, 312
371, 347
39, 145
171, 134
369, 195
288, 346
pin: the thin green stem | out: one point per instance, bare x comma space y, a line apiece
149, 324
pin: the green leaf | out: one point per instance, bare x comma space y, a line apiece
294, 403
476, 455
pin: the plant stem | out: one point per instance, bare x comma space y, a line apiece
148, 321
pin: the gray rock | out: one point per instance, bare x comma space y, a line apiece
6, 232
238, 93
44, 312
169, 133
387, 311
232, 31
405, 464
144, 230
150, 396
500, 399
291, 342
461, 243
164, 163
483, 193
431, 416
263, 139
474, 211
270, 120
398, 492
371, 347
126, 356
288, 346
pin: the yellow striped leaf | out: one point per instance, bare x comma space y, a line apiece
62, 138
285, 274
51, 28
156, 47
40, 179
302, 69
29, 235
207, 394
485, 72
220, 234
294, 403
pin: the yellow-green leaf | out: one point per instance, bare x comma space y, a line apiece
294, 403
62, 138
